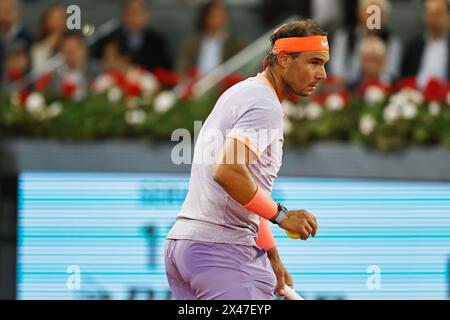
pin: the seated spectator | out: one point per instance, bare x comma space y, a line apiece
2, 59
51, 29
73, 77
212, 45
148, 47
373, 59
345, 44
16, 63
120, 72
427, 56
11, 29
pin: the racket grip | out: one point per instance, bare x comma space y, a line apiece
290, 294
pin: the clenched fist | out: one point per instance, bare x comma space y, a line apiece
300, 222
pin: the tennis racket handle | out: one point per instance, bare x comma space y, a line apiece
290, 294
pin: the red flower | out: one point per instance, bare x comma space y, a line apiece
230, 81
119, 78
345, 96
166, 77
435, 90
68, 89
43, 82
192, 73
14, 74
23, 95
408, 82
132, 90
370, 83
319, 98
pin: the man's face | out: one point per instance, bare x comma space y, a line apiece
9, 14
136, 16
73, 52
436, 17
303, 74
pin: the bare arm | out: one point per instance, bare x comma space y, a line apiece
231, 173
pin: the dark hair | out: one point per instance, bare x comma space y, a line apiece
300, 28
43, 29
204, 12
73, 34
127, 3
121, 47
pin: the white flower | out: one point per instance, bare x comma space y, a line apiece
299, 113
414, 96
287, 126
102, 83
149, 84
35, 103
408, 111
335, 102
289, 108
399, 98
434, 108
14, 99
54, 109
391, 113
367, 124
133, 102
313, 111
114, 94
165, 101
374, 94
135, 117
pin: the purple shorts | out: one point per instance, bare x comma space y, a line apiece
218, 271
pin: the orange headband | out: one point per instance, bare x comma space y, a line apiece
301, 44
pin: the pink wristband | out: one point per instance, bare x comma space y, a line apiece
265, 236
262, 205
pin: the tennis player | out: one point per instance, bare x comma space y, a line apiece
221, 245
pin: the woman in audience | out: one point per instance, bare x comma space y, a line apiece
213, 44
51, 29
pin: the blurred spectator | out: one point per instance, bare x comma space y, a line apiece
51, 29
73, 77
148, 47
2, 59
212, 45
120, 72
16, 63
11, 30
345, 44
373, 59
428, 55
329, 14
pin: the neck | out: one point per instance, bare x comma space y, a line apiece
438, 35
276, 82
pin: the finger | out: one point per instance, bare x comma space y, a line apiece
288, 279
308, 228
279, 291
304, 234
314, 226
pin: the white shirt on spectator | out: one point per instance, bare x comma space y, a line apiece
346, 64
210, 55
434, 61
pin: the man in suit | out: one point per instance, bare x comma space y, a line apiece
11, 30
428, 55
149, 49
